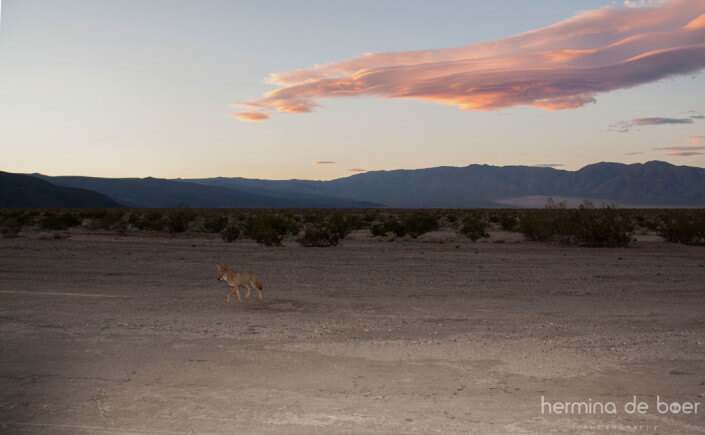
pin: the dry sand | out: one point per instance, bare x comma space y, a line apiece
100, 333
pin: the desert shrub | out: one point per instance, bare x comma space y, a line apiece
474, 227
216, 224
269, 229
10, 227
552, 223
551, 204
268, 237
312, 218
319, 236
587, 226
370, 217
151, 221
603, 227
178, 218
419, 223
12, 221
451, 218
538, 225
343, 225
389, 226
684, 226
508, 222
230, 233
94, 213
60, 221
376, 230
106, 219
649, 221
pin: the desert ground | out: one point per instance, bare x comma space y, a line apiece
107, 334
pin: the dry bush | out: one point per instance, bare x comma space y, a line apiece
585, 226
474, 227
684, 226
60, 221
318, 236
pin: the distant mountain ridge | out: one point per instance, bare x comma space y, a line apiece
651, 184
162, 193
655, 183
19, 190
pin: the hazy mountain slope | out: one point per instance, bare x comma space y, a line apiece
158, 193
656, 184
650, 183
19, 190
653, 183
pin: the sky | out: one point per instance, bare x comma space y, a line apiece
326, 89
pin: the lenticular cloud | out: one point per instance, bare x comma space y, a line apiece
562, 66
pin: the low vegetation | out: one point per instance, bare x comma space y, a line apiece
230, 233
587, 225
474, 227
270, 229
59, 221
178, 219
153, 220
12, 221
684, 226
215, 224
320, 236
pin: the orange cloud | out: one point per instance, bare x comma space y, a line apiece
251, 116
357, 170
563, 66
696, 140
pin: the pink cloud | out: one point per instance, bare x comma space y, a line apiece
562, 66
252, 116
696, 140
686, 154
357, 170
324, 162
624, 126
695, 148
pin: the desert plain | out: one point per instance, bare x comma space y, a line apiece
131, 334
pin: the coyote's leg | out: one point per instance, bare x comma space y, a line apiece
237, 293
258, 289
247, 296
227, 298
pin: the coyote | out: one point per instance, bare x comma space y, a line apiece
237, 279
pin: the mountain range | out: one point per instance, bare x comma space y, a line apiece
651, 184
19, 190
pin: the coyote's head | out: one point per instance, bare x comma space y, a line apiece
222, 270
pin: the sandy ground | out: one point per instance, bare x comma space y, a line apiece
132, 334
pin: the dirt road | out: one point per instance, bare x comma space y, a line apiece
132, 334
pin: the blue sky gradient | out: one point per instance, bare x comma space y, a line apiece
142, 88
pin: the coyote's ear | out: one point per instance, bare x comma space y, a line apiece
225, 267
217, 266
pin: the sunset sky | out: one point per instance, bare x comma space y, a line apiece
325, 89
